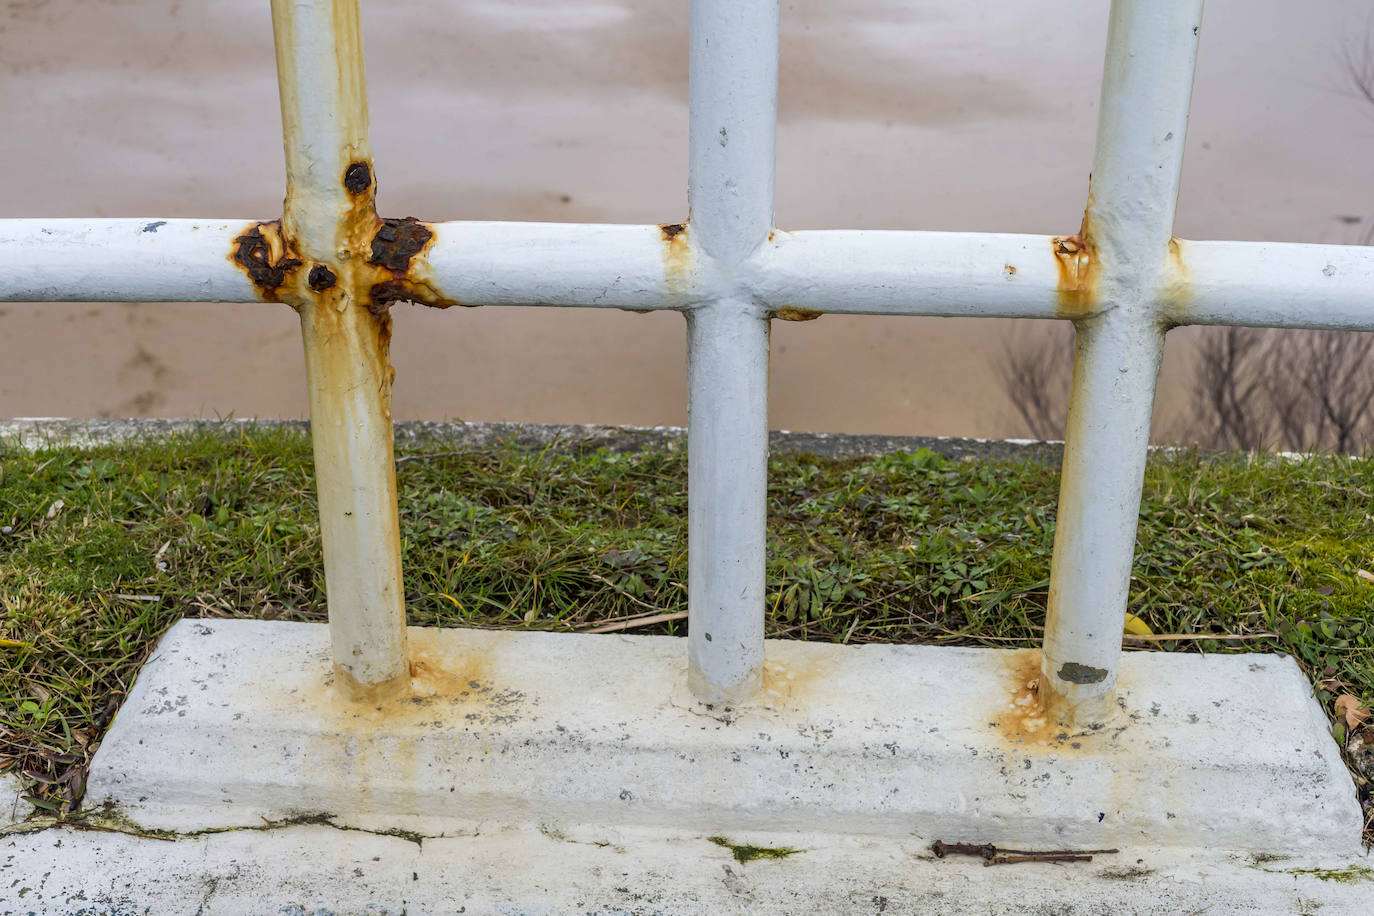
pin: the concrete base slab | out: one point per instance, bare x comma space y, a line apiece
318, 870
238, 724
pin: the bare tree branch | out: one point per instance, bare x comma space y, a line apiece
1035, 371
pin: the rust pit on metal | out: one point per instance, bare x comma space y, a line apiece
397, 241
321, 278
357, 177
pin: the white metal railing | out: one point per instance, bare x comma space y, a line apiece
1124, 280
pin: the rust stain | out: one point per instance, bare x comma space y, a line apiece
1023, 717
1176, 291
786, 684
677, 256
394, 269
1009, 270
1028, 721
1076, 263
792, 313
441, 686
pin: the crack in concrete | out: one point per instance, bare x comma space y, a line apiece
111, 821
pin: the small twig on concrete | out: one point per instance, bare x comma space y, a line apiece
1041, 857
991, 855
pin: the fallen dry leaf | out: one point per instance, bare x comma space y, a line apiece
1365, 574
1349, 706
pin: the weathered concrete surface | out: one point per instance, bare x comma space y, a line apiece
234, 723
480, 868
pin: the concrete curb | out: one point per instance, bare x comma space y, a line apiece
540, 773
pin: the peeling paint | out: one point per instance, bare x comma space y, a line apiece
1075, 673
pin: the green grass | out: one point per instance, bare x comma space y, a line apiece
112, 544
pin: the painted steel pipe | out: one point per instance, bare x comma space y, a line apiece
330, 220
864, 272
1275, 285
1126, 266
734, 84
121, 260
560, 264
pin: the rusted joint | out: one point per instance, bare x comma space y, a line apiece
389, 273
1076, 261
395, 243
672, 230
267, 258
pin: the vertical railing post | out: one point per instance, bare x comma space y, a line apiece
329, 220
734, 74
1128, 265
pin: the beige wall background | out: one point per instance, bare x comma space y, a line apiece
906, 114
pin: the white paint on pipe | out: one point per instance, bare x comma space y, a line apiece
864, 272
560, 264
1146, 87
734, 77
324, 117
575, 265
727, 470
1277, 285
733, 125
121, 260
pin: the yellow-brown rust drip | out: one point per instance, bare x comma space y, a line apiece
792, 313
677, 256
1175, 291
465, 683
1076, 262
1024, 716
